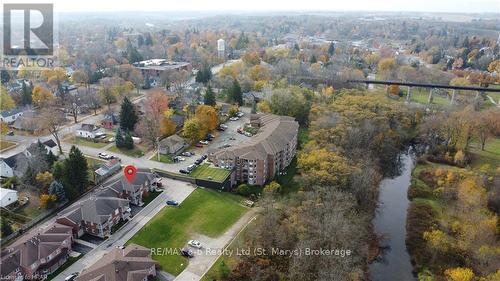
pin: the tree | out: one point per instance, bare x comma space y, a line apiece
149, 127
76, 173
331, 49
235, 94
119, 140
6, 228
47, 201
167, 126
128, 116
108, 96
44, 179
57, 189
193, 130
459, 274
6, 101
4, 76
386, 66
207, 116
26, 94
128, 142
52, 120
209, 98
41, 96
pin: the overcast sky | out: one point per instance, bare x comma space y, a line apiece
467, 6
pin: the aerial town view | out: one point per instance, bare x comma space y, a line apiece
245, 141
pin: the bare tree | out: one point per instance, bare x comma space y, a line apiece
52, 119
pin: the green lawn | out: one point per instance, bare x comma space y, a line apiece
205, 212
489, 156
135, 152
4, 145
164, 158
93, 165
422, 96
87, 142
204, 171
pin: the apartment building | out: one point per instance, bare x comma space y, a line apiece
268, 152
33, 258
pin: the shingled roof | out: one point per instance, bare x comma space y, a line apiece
130, 264
274, 134
94, 209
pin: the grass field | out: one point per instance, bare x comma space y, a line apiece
421, 96
135, 152
4, 145
204, 171
204, 211
164, 158
86, 142
489, 156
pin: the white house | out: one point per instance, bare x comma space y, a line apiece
7, 197
15, 165
6, 170
9, 116
51, 145
89, 131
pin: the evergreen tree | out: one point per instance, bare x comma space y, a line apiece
147, 83
6, 228
26, 94
56, 188
76, 173
235, 93
4, 76
209, 96
51, 158
331, 49
58, 170
313, 59
119, 141
128, 142
128, 116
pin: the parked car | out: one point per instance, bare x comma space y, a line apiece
10, 133
179, 158
203, 142
204, 156
191, 167
187, 253
187, 154
198, 145
232, 138
198, 161
104, 156
248, 134
210, 136
240, 114
172, 203
182, 171
234, 119
71, 277
195, 244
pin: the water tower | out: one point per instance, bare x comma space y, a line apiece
221, 48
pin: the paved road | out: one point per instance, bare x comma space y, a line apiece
212, 249
173, 190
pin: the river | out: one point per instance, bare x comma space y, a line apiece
390, 223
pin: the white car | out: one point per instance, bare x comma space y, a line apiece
195, 244
234, 119
104, 156
204, 142
72, 276
178, 158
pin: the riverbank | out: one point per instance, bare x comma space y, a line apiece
453, 218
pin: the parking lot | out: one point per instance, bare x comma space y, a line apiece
229, 136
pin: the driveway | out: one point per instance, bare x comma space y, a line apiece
212, 249
175, 190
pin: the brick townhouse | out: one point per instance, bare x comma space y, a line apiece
143, 183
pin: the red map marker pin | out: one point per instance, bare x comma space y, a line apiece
130, 172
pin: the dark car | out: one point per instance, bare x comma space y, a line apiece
204, 156
10, 133
198, 161
198, 145
210, 136
172, 203
182, 171
187, 253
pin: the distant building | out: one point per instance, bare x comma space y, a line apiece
28, 121
221, 48
173, 144
95, 215
7, 197
154, 69
9, 116
33, 258
134, 263
109, 121
268, 152
107, 169
89, 131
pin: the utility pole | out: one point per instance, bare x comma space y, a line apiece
158, 147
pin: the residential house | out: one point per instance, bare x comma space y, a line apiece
28, 121
51, 145
133, 263
107, 169
268, 152
95, 215
89, 131
9, 116
172, 145
109, 121
33, 258
15, 165
134, 191
7, 197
